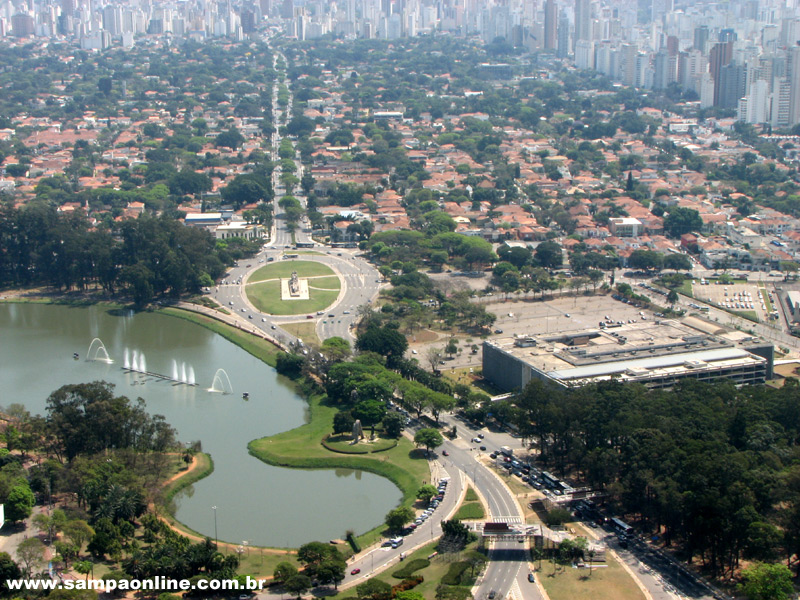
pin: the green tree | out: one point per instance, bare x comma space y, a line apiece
298, 584
370, 413
393, 424
374, 589
283, 571
9, 570
428, 437
549, 255
397, 518
426, 492
384, 340
343, 422
229, 139
764, 581
19, 504
30, 553
681, 220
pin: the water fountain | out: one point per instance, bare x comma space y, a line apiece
174, 370
191, 380
142, 364
126, 363
135, 361
96, 349
218, 384
182, 378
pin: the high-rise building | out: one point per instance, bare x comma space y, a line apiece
22, 25
732, 85
700, 38
562, 47
719, 56
550, 25
583, 21
781, 102
794, 81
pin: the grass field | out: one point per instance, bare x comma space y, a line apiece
471, 508
306, 331
301, 447
304, 268
258, 347
343, 443
605, 583
266, 297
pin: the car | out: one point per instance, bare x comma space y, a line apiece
566, 315
483, 448
309, 316
320, 312
498, 331
273, 327
414, 352
493, 455
445, 453
263, 320
357, 571
346, 312
249, 316
492, 594
531, 578
476, 440
244, 310
249, 266
386, 544
230, 303
331, 315
480, 435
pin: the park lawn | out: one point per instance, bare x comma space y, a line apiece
432, 574
471, 507
261, 562
258, 347
304, 268
606, 583
325, 283
470, 511
404, 465
305, 330
266, 297
343, 443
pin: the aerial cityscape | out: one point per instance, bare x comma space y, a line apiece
413, 299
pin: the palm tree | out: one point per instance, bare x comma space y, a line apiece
591, 558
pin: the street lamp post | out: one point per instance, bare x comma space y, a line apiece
214, 508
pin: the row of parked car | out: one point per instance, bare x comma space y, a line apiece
432, 506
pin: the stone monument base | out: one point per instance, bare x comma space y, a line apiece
302, 291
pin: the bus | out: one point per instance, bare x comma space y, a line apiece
621, 526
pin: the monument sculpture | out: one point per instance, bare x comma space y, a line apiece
358, 432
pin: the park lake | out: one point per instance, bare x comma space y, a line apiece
257, 503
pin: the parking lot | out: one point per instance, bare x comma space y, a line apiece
740, 297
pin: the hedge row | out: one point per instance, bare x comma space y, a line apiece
412, 565
454, 573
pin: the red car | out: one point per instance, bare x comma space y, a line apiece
355, 571
445, 453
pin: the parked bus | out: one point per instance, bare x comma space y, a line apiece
621, 526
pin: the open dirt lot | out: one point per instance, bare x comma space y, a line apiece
534, 317
559, 314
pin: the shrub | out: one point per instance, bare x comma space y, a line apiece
351, 539
449, 592
410, 567
407, 584
455, 573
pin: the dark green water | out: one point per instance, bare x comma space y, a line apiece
261, 504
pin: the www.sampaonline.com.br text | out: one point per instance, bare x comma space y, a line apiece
158, 583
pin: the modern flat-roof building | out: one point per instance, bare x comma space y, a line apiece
657, 354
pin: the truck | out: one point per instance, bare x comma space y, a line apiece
506, 451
